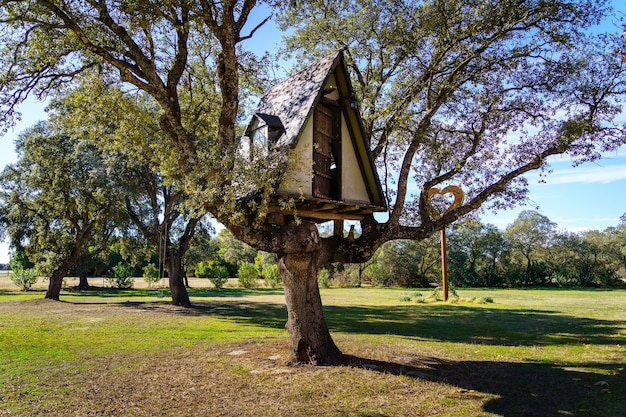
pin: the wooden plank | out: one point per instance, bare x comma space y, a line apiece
338, 228
326, 215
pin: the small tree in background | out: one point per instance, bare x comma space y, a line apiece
57, 200
271, 275
248, 275
324, 278
219, 275
151, 274
121, 276
23, 274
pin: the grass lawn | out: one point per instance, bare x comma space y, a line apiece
129, 353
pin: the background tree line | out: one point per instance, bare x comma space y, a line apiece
531, 251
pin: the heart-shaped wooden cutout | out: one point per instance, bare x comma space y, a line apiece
459, 197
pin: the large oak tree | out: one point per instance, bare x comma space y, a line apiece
57, 200
141, 165
472, 93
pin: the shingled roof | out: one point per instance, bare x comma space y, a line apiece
293, 100
286, 110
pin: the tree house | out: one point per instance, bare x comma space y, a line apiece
331, 173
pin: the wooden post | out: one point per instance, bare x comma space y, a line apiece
338, 228
444, 265
459, 197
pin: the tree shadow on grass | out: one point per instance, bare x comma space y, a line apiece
108, 292
232, 292
448, 323
476, 324
522, 389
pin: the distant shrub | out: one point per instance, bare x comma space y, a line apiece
271, 275
437, 294
346, 278
481, 300
380, 277
324, 278
121, 275
150, 274
24, 277
219, 275
248, 275
413, 296
264, 259
563, 280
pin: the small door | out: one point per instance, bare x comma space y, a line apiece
326, 158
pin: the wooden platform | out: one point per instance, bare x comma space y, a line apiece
320, 210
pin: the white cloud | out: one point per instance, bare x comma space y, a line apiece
585, 175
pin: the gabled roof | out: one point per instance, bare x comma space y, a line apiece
291, 104
293, 100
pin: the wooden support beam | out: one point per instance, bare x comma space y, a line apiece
338, 227
322, 215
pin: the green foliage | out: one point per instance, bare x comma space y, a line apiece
474, 250
217, 270
57, 198
346, 276
437, 294
405, 263
202, 247
529, 253
150, 274
219, 275
248, 275
23, 271
379, 277
121, 275
203, 268
413, 296
324, 278
20, 260
24, 277
271, 275
264, 259
233, 250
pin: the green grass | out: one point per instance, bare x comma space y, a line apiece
529, 353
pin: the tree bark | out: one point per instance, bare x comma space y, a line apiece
83, 284
55, 284
176, 281
309, 338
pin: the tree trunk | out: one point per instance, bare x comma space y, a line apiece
55, 284
175, 274
309, 338
83, 284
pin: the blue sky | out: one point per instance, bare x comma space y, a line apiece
590, 196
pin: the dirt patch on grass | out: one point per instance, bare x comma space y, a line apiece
250, 379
